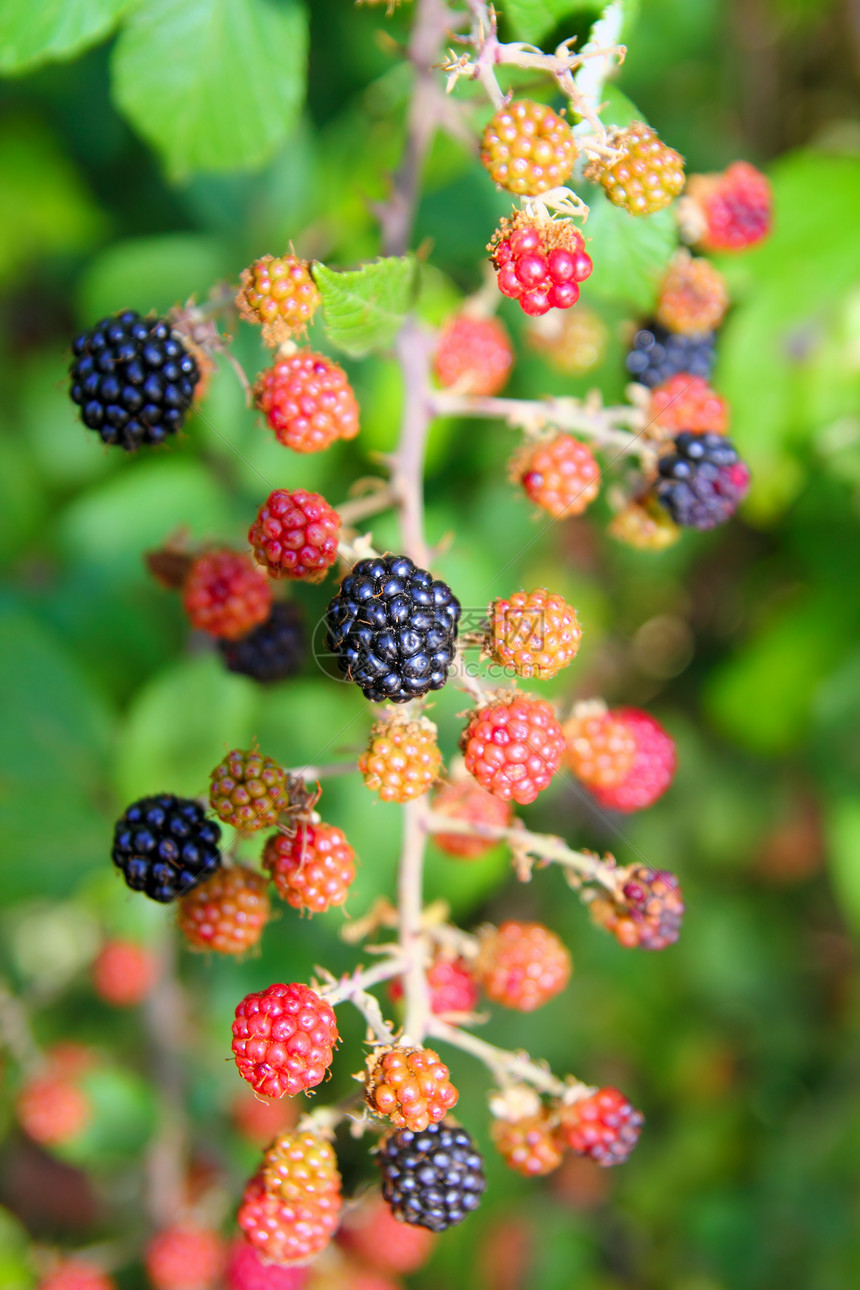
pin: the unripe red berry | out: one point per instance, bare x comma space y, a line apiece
227, 913
288, 1232
185, 1257
728, 211
295, 535
600, 746
280, 294
51, 1109
693, 296
646, 913
225, 594
463, 799
372, 1233
560, 475
473, 355
686, 402
522, 965
451, 985
603, 1126
534, 633
247, 1271
411, 1087
77, 1274
283, 1039
308, 401
402, 761
513, 747
539, 263
527, 148
301, 1169
652, 769
314, 869
123, 973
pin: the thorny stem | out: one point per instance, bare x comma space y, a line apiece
359, 982
582, 865
599, 424
362, 508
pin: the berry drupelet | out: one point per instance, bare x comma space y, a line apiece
703, 481
393, 628
133, 379
657, 354
165, 845
272, 651
434, 1178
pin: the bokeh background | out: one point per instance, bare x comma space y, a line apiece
742, 1043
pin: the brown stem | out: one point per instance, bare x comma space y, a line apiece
165, 1019
601, 425
504, 1065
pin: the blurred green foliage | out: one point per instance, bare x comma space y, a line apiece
742, 1043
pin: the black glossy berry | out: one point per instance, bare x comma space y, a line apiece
166, 845
133, 379
433, 1179
274, 650
393, 628
657, 354
702, 481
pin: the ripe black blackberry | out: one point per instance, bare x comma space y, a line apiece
133, 379
431, 1179
702, 482
392, 628
656, 354
274, 650
165, 845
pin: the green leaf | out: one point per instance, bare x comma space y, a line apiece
53, 774
843, 832
152, 273
532, 19
212, 84
45, 208
179, 726
365, 308
630, 252
52, 29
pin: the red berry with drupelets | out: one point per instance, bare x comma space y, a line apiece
540, 263
284, 1039
603, 1126
295, 535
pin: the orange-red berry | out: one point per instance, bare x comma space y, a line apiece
527, 148
301, 1168
600, 746
77, 1274
528, 1145
402, 761
283, 1039
286, 1232
645, 177
539, 263
185, 1257
411, 1087
513, 747
225, 594
693, 297
314, 869
534, 633
280, 294
248, 790
123, 973
686, 402
465, 800
308, 401
473, 355
51, 1109
652, 769
560, 475
522, 965
227, 913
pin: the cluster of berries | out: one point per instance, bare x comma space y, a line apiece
532, 1136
